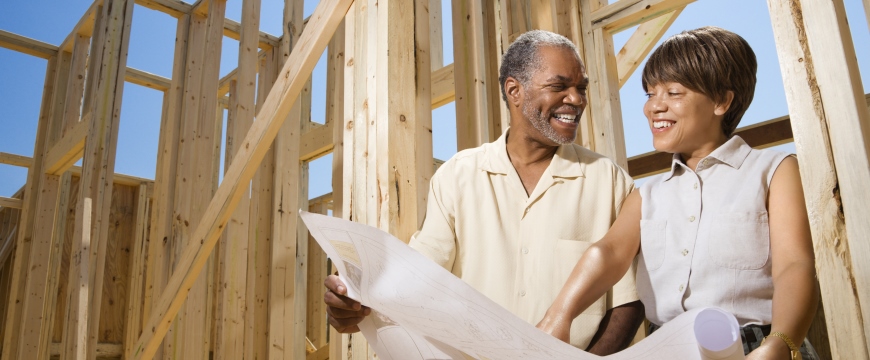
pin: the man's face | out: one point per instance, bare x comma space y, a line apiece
555, 95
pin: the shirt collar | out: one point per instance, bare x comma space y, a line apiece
732, 153
566, 162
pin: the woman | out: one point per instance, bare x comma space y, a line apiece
726, 226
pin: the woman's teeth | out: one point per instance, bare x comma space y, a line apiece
565, 118
662, 124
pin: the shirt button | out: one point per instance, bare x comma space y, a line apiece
685, 252
525, 250
695, 186
523, 293
681, 287
692, 218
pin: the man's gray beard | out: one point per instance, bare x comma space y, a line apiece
542, 124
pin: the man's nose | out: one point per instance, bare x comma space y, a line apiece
575, 97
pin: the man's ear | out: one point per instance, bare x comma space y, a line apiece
513, 91
722, 108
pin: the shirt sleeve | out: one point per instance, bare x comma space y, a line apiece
437, 239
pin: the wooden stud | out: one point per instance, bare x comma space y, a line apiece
235, 248
606, 114
21, 257
15, 160
436, 35
69, 149
830, 117
137, 272
474, 111
159, 245
316, 325
11, 203
641, 43
421, 134
624, 14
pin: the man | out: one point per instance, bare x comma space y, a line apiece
512, 217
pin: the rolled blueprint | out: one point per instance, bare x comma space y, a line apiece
718, 335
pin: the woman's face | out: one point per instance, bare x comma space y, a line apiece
682, 120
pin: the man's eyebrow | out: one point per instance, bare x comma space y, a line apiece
559, 78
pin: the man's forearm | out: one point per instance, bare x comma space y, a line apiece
617, 329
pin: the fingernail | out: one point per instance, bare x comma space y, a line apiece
342, 289
367, 311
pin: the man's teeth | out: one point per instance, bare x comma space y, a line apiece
565, 118
662, 124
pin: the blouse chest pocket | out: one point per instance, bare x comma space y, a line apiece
653, 240
739, 240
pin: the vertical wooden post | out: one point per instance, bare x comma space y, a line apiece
476, 113
830, 123
608, 137
159, 245
21, 256
234, 249
137, 272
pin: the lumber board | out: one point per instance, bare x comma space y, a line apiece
607, 135
473, 107
288, 86
119, 250
11, 203
232, 29
831, 52
70, 109
69, 149
624, 14
174, 8
43, 254
6, 244
84, 27
104, 350
641, 42
146, 79
133, 315
58, 102
109, 55
27, 45
319, 354
234, 251
15, 160
443, 90
316, 142
808, 93
316, 325
421, 134
28, 214
436, 35
288, 280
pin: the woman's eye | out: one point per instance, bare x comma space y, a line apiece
648, 95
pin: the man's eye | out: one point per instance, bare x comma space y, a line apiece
557, 87
672, 93
649, 95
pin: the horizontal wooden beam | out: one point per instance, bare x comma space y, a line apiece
69, 149
232, 29
10, 203
27, 45
762, 135
146, 79
16, 160
443, 89
175, 8
316, 142
105, 350
624, 14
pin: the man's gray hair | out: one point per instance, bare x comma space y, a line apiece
521, 59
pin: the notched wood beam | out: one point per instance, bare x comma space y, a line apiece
627, 13
233, 30
27, 45
174, 8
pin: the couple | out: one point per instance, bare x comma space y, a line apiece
550, 230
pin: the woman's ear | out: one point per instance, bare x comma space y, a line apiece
513, 91
722, 108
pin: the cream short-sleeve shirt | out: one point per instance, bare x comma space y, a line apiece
519, 249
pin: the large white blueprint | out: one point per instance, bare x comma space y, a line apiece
422, 311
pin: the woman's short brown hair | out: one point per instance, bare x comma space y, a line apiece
711, 61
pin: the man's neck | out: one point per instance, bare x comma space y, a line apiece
525, 151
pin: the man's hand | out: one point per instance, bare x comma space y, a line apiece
344, 313
559, 328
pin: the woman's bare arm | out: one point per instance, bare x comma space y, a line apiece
601, 266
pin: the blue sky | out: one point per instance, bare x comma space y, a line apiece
151, 46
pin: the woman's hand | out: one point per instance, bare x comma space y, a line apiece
558, 328
771, 349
